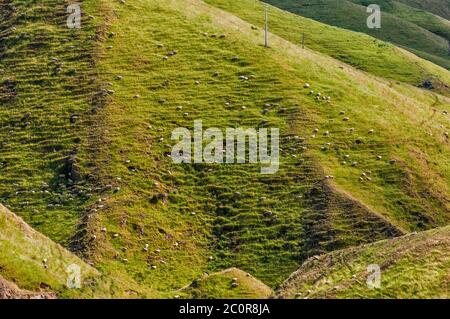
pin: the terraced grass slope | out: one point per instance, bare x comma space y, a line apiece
412, 266
361, 51
349, 174
47, 84
229, 284
423, 34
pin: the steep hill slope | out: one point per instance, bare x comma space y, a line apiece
229, 284
415, 32
369, 163
46, 84
413, 266
306, 214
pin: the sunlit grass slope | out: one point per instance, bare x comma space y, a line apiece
413, 266
33, 261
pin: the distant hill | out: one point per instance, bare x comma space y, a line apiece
356, 49
417, 30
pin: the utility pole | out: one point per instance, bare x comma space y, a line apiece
266, 33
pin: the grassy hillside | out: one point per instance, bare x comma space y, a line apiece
8, 290
358, 50
157, 199
144, 68
413, 33
33, 266
413, 266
